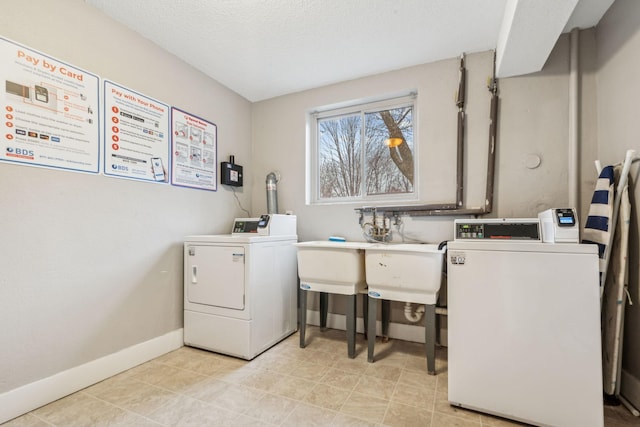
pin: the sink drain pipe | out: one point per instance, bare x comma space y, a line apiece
411, 315
416, 316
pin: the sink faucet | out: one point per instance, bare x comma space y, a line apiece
378, 229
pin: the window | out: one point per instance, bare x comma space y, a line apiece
363, 152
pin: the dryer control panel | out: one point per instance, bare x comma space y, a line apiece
266, 225
527, 229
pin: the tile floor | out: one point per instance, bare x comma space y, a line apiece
285, 386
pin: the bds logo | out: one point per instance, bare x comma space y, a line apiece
119, 168
19, 152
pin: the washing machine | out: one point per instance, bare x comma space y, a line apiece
524, 324
240, 289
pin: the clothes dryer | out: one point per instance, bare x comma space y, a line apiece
240, 292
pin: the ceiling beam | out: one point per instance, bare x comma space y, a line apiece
529, 31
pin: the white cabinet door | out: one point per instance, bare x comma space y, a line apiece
215, 276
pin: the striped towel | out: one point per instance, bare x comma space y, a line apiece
596, 229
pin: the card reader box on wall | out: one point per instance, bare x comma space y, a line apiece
231, 174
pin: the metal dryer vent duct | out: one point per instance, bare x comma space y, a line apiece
272, 193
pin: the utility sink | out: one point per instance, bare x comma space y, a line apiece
404, 271
333, 267
330, 267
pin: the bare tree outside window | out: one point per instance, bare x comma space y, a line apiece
340, 157
389, 155
366, 154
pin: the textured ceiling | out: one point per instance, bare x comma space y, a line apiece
267, 48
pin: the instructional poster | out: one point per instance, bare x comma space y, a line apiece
194, 147
136, 135
50, 111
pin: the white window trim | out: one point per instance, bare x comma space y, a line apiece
365, 105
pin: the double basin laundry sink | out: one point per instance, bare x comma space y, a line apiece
398, 272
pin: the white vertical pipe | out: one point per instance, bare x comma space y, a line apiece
574, 122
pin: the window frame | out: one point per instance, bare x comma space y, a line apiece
360, 107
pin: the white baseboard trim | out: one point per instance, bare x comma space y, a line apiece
400, 331
28, 397
630, 388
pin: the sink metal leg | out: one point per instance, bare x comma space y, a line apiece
430, 337
365, 318
351, 325
324, 308
386, 313
302, 315
371, 327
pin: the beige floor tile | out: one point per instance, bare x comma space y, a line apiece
262, 380
155, 372
234, 374
200, 361
208, 390
182, 357
417, 363
293, 387
399, 415
272, 409
238, 398
186, 411
396, 359
443, 380
27, 420
376, 387
326, 342
418, 379
246, 421
179, 380
309, 415
344, 420
294, 353
112, 388
310, 371
327, 397
443, 407
131, 394
328, 358
283, 365
138, 421
190, 386
83, 410
442, 386
353, 366
340, 379
445, 420
389, 373
272, 362
419, 397
365, 407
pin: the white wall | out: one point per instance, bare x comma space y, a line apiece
91, 264
533, 120
618, 37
